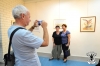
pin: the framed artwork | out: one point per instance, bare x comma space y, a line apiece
87, 24
59, 22
36, 29
12, 22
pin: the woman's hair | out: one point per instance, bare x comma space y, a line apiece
57, 26
64, 25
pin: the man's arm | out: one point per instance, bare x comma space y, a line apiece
45, 38
31, 29
35, 25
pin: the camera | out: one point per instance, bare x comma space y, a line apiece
39, 22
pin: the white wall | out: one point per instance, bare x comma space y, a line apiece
71, 10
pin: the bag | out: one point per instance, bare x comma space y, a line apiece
9, 58
10, 62
67, 52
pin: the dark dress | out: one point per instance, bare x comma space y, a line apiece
56, 52
64, 42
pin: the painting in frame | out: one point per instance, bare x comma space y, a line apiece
87, 24
36, 29
59, 22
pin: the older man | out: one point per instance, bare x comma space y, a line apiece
24, 42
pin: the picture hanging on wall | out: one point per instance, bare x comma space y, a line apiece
12, 22
59, 22
36, 29
87, 24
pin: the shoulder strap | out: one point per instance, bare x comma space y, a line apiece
10, 41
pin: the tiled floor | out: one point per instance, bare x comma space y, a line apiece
45, 62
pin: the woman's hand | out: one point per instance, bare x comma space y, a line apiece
53, 45
67, 44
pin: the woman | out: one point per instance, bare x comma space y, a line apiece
65, 40
56, 36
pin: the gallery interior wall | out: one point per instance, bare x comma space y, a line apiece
71, 10
5, 22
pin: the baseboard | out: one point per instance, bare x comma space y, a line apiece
1, 60
74, 58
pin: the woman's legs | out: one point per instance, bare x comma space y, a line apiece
54, 52
59, 50
65, 48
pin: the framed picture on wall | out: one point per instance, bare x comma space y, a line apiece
87, 24
36, 29
59, 22
12, 22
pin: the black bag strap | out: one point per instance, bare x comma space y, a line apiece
10, 41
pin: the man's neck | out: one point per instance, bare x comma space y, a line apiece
19, 23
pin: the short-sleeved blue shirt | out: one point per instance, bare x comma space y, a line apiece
24, 45
65, 37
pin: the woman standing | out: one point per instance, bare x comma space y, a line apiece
65, 40
56, 36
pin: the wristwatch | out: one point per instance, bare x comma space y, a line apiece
33, 27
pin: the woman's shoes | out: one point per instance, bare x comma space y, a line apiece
51, 59
58, 59
65, 60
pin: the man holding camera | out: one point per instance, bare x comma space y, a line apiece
24, 42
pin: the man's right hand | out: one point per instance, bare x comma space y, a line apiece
44, 24
36, 23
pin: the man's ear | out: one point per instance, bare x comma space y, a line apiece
22, 16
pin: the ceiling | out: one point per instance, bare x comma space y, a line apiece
35, 0
48, 0
41, 0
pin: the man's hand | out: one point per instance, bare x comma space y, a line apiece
33, 26
36, 23
44, 24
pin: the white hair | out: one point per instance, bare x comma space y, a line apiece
18, 10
